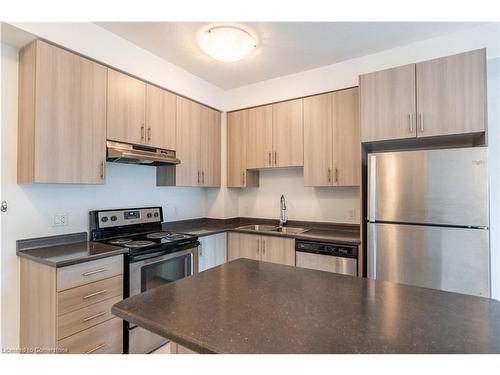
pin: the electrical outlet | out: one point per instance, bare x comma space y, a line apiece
60, 219
352, 214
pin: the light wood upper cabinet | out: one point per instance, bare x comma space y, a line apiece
160, 118
188, 142
346, 138
445, 96
288, 134
388, 104
259, 139
126, 108
266, 248
237, 173
318, 140
62, 117
451, 94
210, 148
332, 146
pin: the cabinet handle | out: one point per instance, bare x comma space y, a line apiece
94, 349
149, 134
94, 272
422, 122
336, 175
270, 158
143, 134
275, 158
101, 169
410, 120
94, 316
243, 177
263, 247
203, 177
201, 251
94, 294
198, 177
329, 175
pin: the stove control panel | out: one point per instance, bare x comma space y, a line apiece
118, 218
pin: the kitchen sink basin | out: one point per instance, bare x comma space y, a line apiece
273, 228
289, 230
259, 228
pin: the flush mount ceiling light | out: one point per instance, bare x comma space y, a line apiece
226, 43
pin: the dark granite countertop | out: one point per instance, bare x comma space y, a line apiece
65, 250
319, 231
246, 306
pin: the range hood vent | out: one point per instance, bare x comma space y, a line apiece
135, 154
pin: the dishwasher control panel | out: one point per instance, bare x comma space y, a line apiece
325, 248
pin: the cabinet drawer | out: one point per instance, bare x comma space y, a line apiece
88, 294
88, 272
104, 338
78, 320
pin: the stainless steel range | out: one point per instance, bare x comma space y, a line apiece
156, 257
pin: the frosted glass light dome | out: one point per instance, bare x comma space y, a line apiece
226, 43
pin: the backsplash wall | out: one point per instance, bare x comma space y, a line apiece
339, 204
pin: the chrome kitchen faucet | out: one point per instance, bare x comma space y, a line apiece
282, 211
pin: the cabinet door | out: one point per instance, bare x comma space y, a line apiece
210, 147
160, 118
288, 134
318, 140
188, 172
212, 251
451, 94
70, 117
126, 108
241, 245
236, 148
259, 137
388, 104
278, 250
346, 138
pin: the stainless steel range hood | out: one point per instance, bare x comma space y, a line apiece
136, 154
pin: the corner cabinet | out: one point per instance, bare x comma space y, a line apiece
332, 139
237, 173
198, 146
272, 249
440, 97
62, 117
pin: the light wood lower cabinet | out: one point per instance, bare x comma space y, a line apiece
179, 349
212, 251
68, 309
260, 247
62, 117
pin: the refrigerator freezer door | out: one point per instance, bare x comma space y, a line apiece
445, 258
444, 187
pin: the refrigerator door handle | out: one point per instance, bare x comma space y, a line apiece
372, 187
372, 252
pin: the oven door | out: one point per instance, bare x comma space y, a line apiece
150, 271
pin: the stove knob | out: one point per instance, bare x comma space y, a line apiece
156, 214
104, 219
113, 218
149, 215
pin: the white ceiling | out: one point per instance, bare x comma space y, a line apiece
283, 47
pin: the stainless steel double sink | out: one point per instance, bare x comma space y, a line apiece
273, 229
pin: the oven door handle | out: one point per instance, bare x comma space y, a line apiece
162, 253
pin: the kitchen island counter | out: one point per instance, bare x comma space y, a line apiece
247, 306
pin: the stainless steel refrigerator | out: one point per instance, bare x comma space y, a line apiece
428, 219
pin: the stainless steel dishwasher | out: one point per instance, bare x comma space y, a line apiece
325, 256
